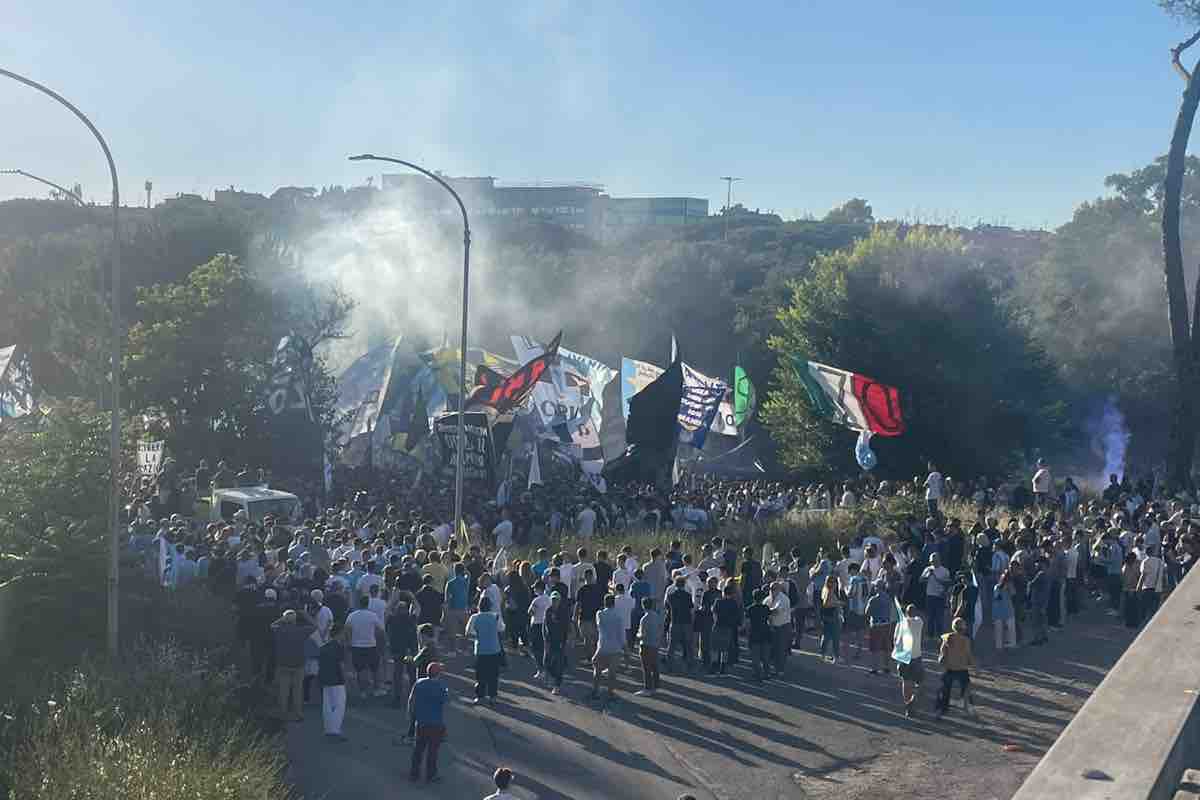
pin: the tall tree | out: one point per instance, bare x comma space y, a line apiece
1185, 336
916, 310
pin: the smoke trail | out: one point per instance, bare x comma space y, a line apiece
1112, 440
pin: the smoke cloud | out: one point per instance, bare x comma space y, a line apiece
1110, 440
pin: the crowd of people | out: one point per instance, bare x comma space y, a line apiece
378, 592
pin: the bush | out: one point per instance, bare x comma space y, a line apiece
162, 724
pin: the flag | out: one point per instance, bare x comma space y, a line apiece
850, 399
698, 406
514, 390
291, 376
654, 411
418, 422
744, 396
535, 468
16, 383
166, 563
571, 395
863, 453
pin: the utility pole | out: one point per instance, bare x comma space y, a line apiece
728, 201
149, 186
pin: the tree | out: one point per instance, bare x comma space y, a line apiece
1185, 327
856, 210
917, 311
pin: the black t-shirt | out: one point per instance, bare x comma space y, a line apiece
680, 607
604, 573
408, 582
591, 600
760, 630
431, 601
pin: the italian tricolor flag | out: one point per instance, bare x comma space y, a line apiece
850, 399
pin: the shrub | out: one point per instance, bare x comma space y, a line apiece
163, 725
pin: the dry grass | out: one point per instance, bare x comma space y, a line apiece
163, 725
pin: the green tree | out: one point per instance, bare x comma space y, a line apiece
916, 311
855, 210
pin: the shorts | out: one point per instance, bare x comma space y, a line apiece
913, 672
854, 622
364, 658
880, 637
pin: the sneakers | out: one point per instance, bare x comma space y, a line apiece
556, 691
643, 693
476, 701
537, 676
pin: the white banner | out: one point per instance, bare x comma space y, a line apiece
574, 396
149, 456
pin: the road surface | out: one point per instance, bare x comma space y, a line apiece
826, 731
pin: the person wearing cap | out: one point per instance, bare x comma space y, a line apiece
426, 707
555, 630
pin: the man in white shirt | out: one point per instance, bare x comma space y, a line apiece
1151, 583
780, 620
624, 604
503, 532
442, 535
1043, 485
912, 674
365, 626
537, 618
324, 613
935, 486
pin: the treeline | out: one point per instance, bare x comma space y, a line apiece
1005, 343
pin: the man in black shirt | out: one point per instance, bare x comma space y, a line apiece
604, 570
555, 631
680, 614
557, 586
430, 600
589, 600
703, 622
760, 635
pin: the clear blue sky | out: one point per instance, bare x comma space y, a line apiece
1010, 112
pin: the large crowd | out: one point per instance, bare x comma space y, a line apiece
377, 591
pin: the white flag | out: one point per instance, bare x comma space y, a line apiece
535, 469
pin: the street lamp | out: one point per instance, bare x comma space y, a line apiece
51, 184
114, 432
462, 345
729, 179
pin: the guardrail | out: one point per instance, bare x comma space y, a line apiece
1140, 730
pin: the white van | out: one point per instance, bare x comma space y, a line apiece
257, 502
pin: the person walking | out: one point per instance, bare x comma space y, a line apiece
907, 654
680, 611
957, 660
555, 631
759, 639
937, 580
831, 619
485, 627
610, 644
727, 621
1004, 618
427, 707
291, 631
649, 640
537, 620
881, 622
402, 641
780, 621
332, 679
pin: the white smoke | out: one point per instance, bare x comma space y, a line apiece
1110, 440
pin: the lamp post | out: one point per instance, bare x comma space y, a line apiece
729, 179
462, 345
114, 432
76, 198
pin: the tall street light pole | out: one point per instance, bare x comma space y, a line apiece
62, 189
462, 344
728, 201
114, 422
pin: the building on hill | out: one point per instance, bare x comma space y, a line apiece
578, 206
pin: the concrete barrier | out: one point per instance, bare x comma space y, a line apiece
1140, 729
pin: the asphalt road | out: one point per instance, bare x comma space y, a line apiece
825, 731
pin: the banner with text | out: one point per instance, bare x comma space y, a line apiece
478, 452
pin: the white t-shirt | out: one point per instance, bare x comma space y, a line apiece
1152, 573
363, 623
622, 576
586, 522
631, 565
1043, 481
537, 609
934, 486
916, 627
624, 606
611, 634
441, 534
937, 579
504, 534
324, 620
378, 607
566, 573
363, 587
